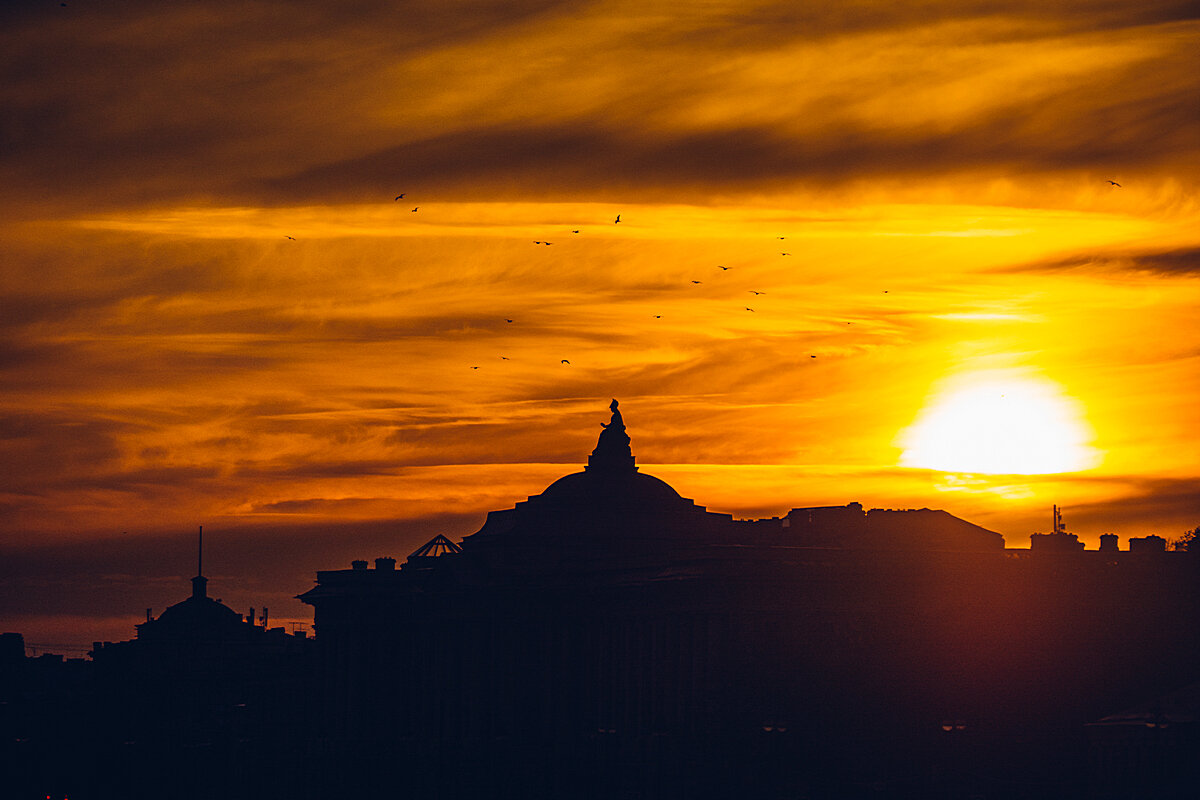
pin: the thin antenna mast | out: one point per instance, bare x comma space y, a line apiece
1058, 523
199, 582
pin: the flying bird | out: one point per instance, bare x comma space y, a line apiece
754, 292
722, 268
748, 308
1114, 183
697, 281
399, 197
564, 361
293, 238
474, 367
416, 208
618, 219
504, 358
812, 356
508, 320
658, 316
780, 237
574, 231
785, 254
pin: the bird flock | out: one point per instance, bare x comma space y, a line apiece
617, 221
1113, 184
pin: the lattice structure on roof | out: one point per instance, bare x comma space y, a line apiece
437, 546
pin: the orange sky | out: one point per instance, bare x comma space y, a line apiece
939, 172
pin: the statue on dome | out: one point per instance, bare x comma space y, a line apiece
616, 421
612, 450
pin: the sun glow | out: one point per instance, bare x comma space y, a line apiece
1000, 423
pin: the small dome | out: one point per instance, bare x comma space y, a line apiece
198, 612
193, 619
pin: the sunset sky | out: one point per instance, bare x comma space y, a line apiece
214, 312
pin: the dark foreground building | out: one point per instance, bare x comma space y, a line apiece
609, 638
204, 704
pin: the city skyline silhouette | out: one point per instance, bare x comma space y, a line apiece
608, 636
247, 566
331, 281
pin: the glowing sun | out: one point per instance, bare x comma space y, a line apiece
1010, 424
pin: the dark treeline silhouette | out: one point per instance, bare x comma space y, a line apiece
608, 638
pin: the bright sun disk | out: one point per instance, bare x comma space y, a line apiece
1010, 425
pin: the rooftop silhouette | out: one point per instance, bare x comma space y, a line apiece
608, 637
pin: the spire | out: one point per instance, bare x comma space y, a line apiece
200, 583
612, 453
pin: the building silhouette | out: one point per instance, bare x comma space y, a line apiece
40, 720
204, 704
610, 638
1148, 750
205, 692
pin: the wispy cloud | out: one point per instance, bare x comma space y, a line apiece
344, 103
1181, 262
212, 309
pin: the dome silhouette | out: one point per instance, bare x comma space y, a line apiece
609, 489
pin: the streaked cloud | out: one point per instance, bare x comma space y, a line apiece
213, 311
342, 103
1182, 262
